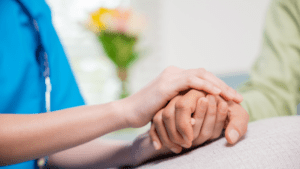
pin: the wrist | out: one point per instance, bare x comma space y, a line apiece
130, 112
124, 110
142, 150
121, 110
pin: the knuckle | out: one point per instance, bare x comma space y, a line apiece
180, 127
180, 105
157, 119
222, 115
167, 115
190, 79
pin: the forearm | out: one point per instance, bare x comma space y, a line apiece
27, 137
273, 89
101, 153
259, 108
98, 153
266, 102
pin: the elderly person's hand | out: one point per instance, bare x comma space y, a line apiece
195, 118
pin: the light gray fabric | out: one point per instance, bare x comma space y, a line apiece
271, 143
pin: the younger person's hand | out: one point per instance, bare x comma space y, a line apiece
144, 104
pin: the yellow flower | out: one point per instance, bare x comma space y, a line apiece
100, 17
124, 21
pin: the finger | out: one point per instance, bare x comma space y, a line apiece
163, 135
184, 108
188, 80
154, 137
199, 115
238, 123
209, 121
168, 118
222, 110
226, 92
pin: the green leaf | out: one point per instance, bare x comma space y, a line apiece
119, 48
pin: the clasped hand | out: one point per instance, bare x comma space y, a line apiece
192, 118
187, 107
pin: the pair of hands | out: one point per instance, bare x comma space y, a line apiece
172, 82
164, 98
192, 118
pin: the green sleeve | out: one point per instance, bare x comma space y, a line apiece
274, 85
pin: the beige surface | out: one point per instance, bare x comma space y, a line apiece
271, 143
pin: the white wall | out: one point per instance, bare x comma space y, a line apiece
220, 35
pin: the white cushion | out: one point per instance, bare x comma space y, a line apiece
270, 143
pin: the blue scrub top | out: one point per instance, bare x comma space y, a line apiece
22, 85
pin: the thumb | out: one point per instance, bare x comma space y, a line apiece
238, 123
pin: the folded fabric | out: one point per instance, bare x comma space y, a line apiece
270, 143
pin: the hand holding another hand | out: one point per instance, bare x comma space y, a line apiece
194, 118
148, 101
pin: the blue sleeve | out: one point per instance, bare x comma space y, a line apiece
22, 86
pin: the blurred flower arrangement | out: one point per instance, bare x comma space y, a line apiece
118, 30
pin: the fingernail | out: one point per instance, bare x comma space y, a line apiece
156, 146
234, 136
193, 121
217, 90
174, 150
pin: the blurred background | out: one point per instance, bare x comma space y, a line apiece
224, 37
